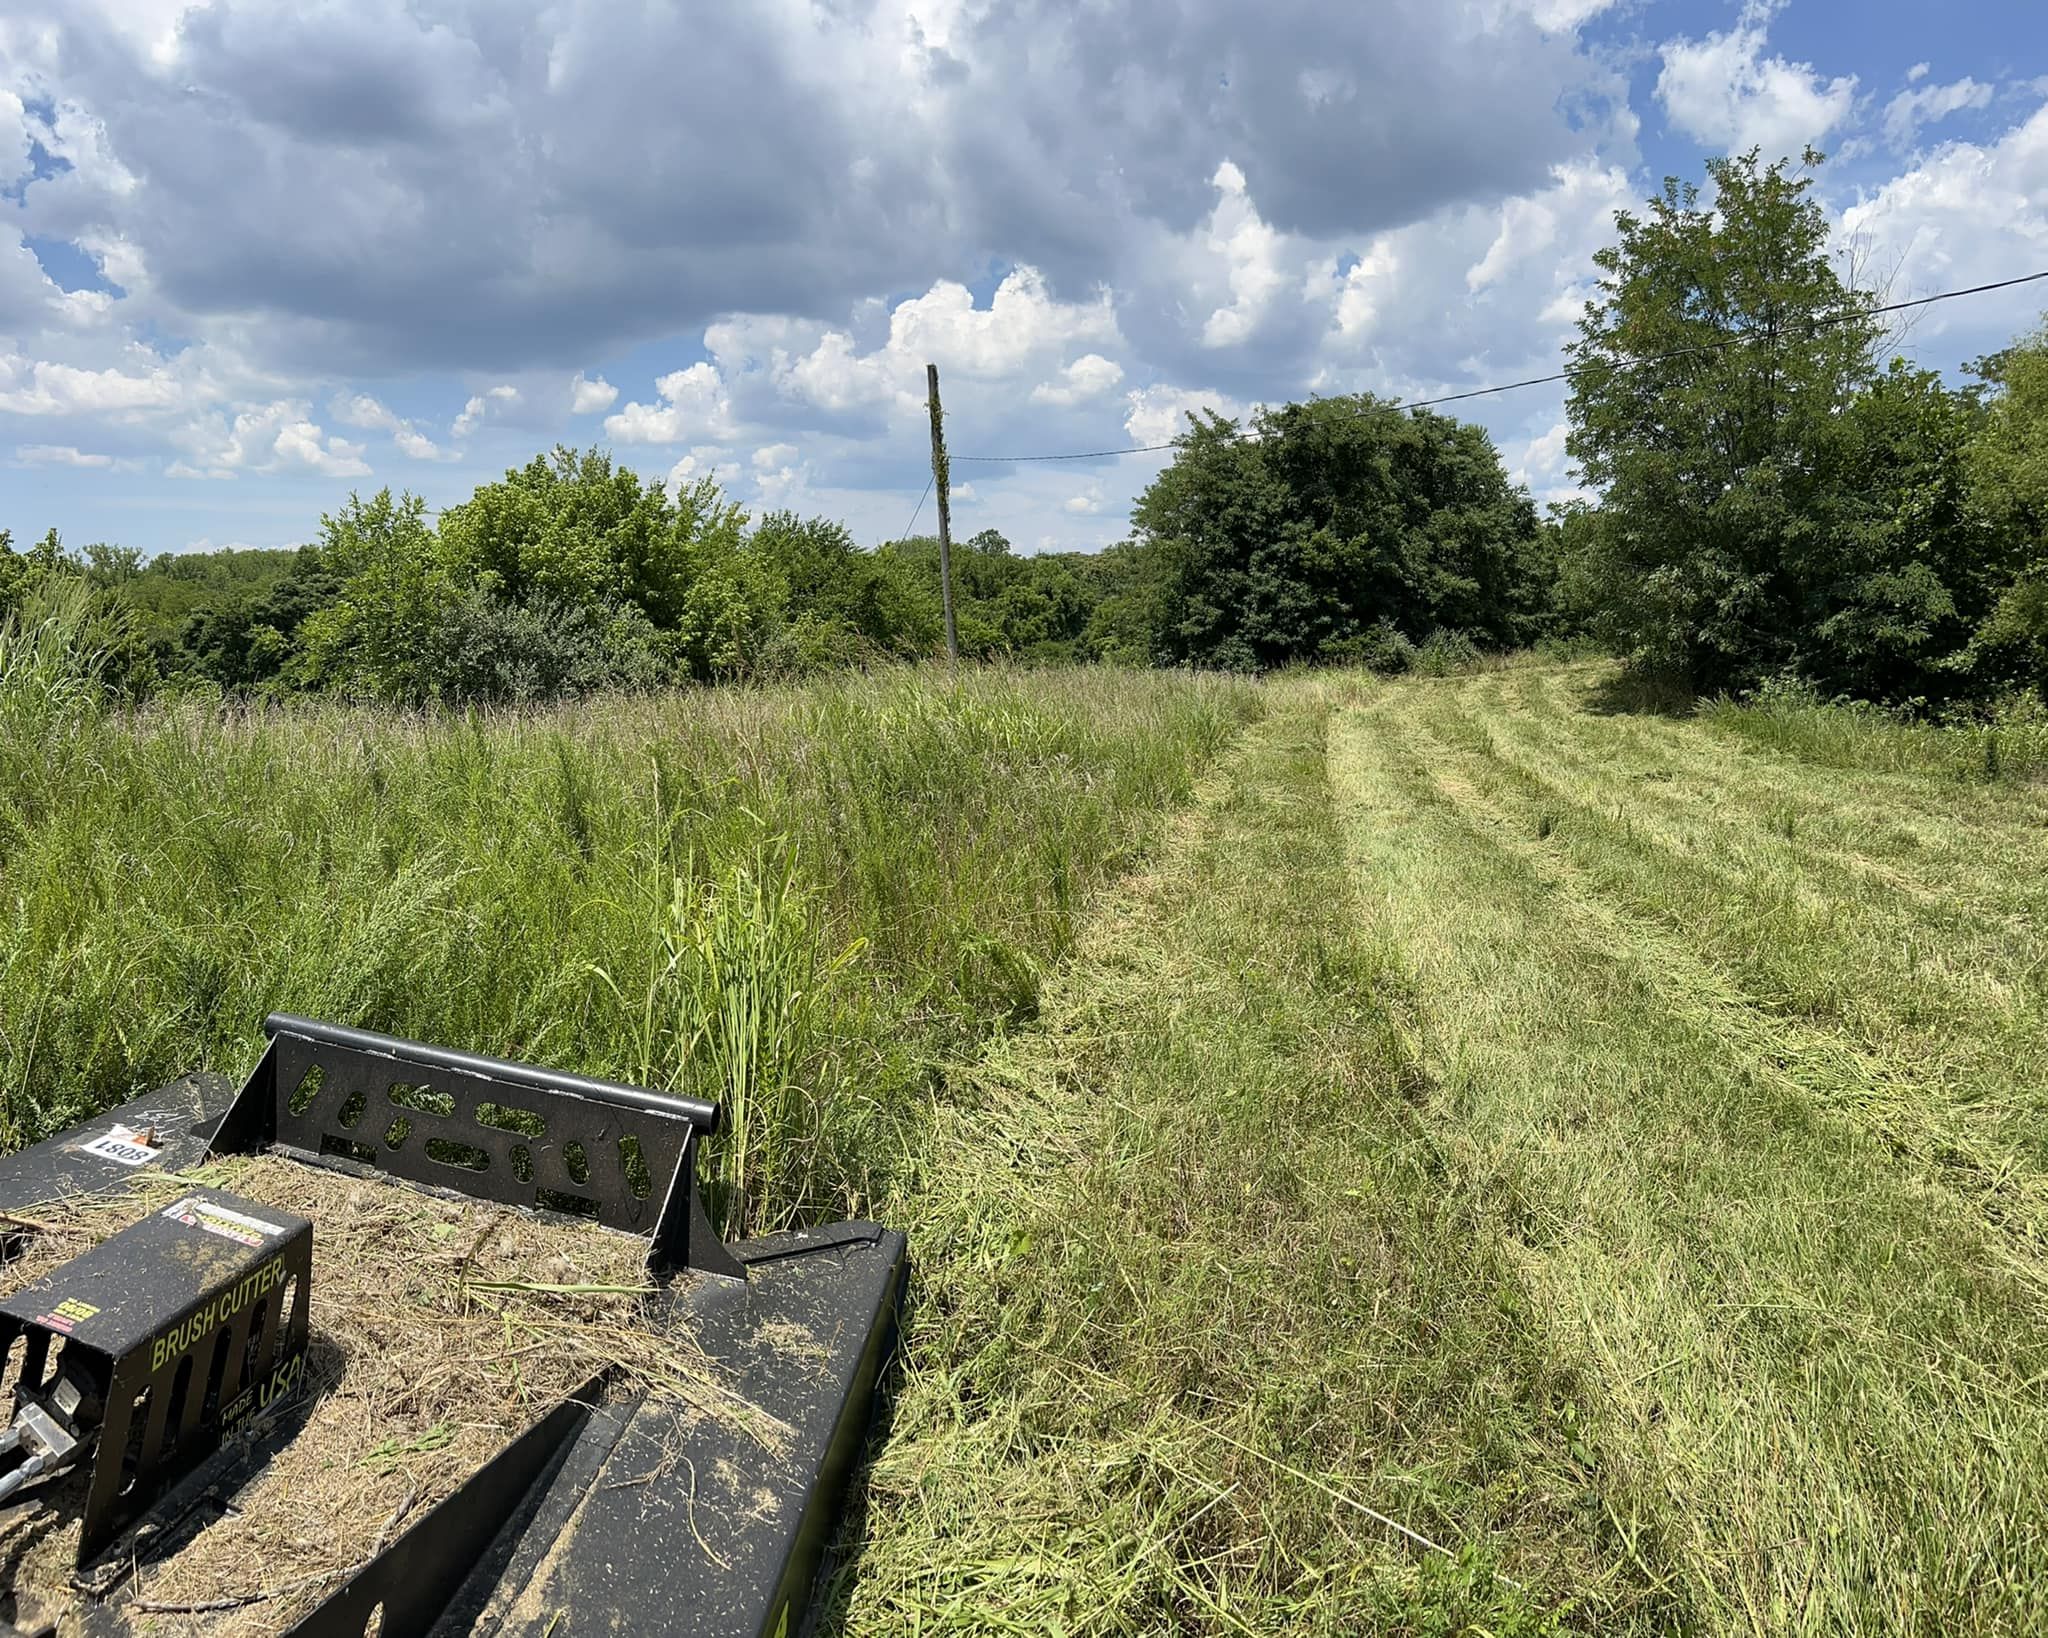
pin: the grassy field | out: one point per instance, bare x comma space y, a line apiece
1454, 1155
1512, 1165
801, 901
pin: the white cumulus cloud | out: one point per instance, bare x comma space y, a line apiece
1158, 414
693, 405
1909, 110
275, 437
588, 395
481, 405
1571, 215
363, 410
63, 389
1969, 213
706, 461
1252, 252
1024, 328
1087, 378
1726, 93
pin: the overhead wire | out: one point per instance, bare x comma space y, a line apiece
1565, 374
919, 507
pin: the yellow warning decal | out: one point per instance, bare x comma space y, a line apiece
68, 1313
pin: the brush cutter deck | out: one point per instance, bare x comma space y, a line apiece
167, 1337
161, 1365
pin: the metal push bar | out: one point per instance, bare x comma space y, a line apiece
491, 1128
704, 1116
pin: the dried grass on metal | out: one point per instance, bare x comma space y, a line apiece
440, 1330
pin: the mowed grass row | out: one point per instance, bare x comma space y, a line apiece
1745, 1052
1211, 1333
1880, 938
801, 900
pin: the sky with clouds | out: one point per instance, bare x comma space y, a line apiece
256, 255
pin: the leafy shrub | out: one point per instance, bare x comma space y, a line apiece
1383, 649
812, 643
487, 651
1443, 652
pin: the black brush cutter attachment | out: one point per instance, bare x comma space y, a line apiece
150, 1377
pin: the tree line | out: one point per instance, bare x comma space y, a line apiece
1777, 495
569, 575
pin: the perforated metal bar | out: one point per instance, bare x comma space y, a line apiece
702, 1115
487, 1127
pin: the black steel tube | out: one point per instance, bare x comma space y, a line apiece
695, 1110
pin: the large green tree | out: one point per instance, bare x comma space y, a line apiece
1898, 569
380, 634
1299, 537
1710, 377
2009, 485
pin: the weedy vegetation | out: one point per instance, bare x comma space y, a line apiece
798, 900
1474, 1152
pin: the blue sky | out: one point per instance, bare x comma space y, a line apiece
254, 256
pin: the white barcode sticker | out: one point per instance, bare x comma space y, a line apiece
196, 1211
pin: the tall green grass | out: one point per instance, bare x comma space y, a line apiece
799, 900
2008, 742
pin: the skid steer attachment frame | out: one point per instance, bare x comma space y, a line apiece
488, 1128
612, 1512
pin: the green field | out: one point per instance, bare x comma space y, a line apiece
803, 902
1513, 1165
1455, 1154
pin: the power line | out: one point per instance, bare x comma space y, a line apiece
919, 507
1729, 341
1946, 295
1569, 371
1078, 455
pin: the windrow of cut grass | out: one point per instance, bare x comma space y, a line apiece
1745, 1048
1877, 937
1208, 1336
800, 900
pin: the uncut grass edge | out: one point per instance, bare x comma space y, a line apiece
572, 887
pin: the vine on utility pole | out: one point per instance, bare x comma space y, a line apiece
931, 375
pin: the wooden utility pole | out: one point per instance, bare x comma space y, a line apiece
931, 376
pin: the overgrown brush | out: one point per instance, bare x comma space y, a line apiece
2003, 741
814, 885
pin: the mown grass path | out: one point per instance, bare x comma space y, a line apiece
1505, 1168
1208, 1334
1749, 1054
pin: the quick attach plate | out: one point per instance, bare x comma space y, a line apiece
192, 1321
